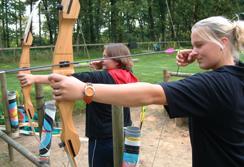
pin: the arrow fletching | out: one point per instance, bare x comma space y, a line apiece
27, 29
170, 51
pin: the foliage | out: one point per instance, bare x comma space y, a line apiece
113, 20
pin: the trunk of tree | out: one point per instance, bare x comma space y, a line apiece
150, 21
195, 11
91, 22
113, 22
45, 4
162, 16
16, 26
98, 20
85, 19
20, 23
171, 20
6, 28
120, 23
40, 23
141, 25
3, 39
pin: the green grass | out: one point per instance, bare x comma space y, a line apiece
149, 68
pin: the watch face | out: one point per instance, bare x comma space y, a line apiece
89, 91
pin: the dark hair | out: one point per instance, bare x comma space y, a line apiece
118, 49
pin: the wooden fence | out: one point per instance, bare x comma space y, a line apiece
78, 48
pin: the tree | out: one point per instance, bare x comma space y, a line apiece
115, 20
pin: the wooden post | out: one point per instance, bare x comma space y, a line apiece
180, 74
166, 75
14, 53
5, 111
39, 106
118, 134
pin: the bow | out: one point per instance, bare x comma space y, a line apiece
25, 63
63, 53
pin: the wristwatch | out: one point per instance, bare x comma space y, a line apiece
89, 93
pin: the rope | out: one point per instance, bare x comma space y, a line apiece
85, 44
174, 31
161, 132
178, 67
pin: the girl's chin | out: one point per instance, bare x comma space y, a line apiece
204, 67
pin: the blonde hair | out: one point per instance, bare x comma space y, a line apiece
214, 28
118, 49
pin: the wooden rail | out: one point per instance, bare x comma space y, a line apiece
22, 150
94, 45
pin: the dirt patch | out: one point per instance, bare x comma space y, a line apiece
163, 144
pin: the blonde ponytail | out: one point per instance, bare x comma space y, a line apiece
238, 32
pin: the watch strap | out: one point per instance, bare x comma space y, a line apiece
88, 97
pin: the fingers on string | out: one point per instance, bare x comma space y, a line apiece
24, 82
21, 76
55, 85
57, 94
181, 60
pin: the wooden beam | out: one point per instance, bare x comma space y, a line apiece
5, 111
118, 134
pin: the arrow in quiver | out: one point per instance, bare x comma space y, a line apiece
131, 146
12, 109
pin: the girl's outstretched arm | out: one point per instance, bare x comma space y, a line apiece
133, 94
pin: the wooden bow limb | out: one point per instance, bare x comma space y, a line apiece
69, 137
63, 53
25, 63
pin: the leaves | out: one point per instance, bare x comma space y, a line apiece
104, 21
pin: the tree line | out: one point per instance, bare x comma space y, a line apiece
102, 21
